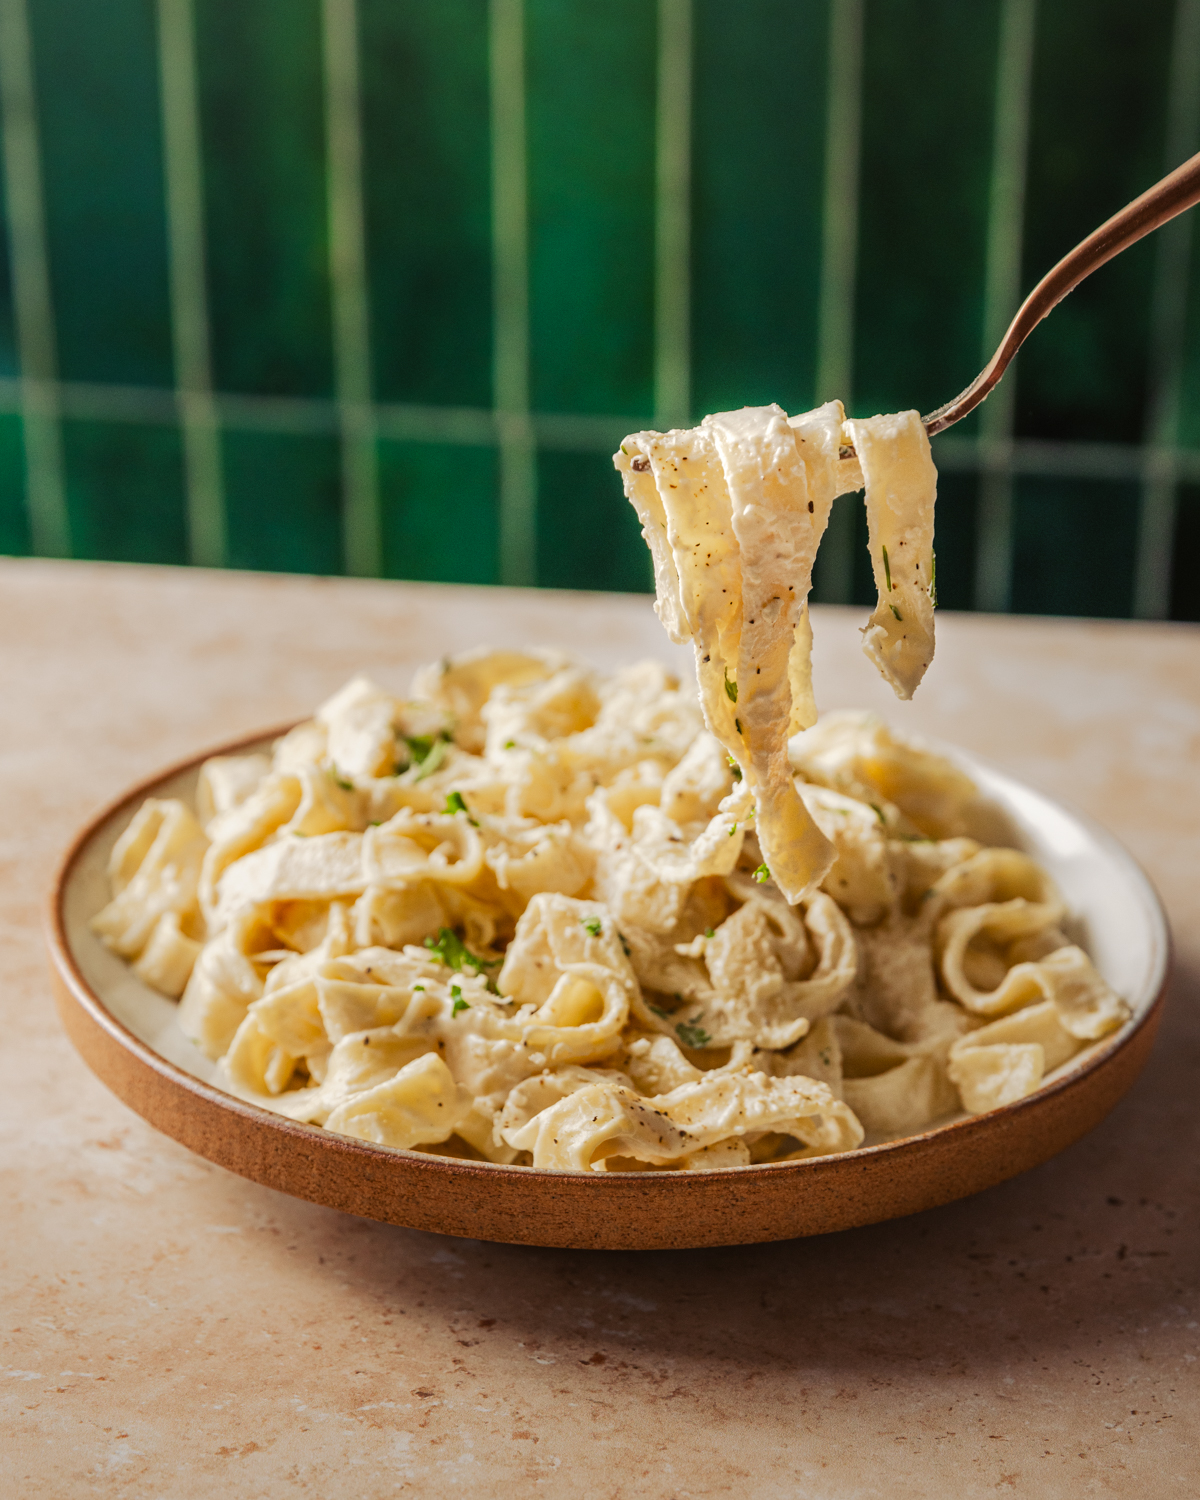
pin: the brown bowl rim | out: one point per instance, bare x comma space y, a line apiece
966, 1128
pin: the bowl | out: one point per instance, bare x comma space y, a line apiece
128, 1035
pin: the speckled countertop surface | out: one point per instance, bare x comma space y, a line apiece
170, 1330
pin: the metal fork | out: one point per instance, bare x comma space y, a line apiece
1177, 191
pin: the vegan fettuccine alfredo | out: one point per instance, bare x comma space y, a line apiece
525, 914
733, 512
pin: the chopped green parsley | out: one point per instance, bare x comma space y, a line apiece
449, 949
592, 925
896, 612
734, 767
455, 804
887, 569
691, 1033
427, 751
761, 874
731, 690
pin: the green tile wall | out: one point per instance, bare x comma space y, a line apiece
98, 111
1189, 410
759, 149
426, 138
1185, 573
439, 512
761, 96
284, 501
125, 491
9, 362
591, 154
14, 523
264, 178
1073, 547
588, 536
1098, 120
955, 540
927, 145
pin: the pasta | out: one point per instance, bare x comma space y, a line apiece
519, 917
533, 915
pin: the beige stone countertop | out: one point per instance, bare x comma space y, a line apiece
171, 1330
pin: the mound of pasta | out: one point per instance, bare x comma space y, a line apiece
525, 915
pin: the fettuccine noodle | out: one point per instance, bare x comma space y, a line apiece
537, 916
519, 916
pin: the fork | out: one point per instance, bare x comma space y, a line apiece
1178, 191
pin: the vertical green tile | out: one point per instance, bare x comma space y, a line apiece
757, 192
1100, 73
863, 589
14, 519
1073, 547
590, 115
439, 512
1185, 571
261, 104
954, 539
283, 494
588, 534
1189, 393
425, 112
125, 491
98, 115
8, 333
928, 105
823, 591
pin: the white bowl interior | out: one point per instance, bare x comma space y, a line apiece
1115, 914
151, 1017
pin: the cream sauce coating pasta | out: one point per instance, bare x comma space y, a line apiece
733, 512
901, 486
737, 512
520, 915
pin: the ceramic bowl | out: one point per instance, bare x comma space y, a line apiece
128, 1036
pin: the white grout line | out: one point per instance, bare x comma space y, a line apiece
1109, 462
1002, 292
510, 295
839, 249
1156, 529
361, 520
673, 217
183, 169
839, 267
45, 482
475, 426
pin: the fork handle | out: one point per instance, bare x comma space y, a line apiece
1177, 191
